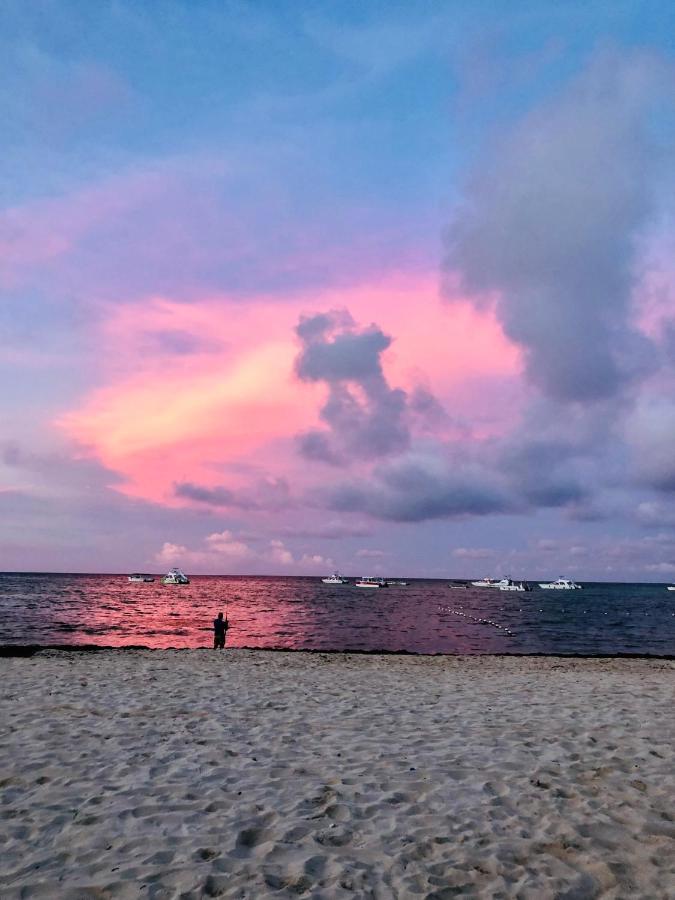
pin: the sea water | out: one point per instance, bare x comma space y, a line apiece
302, 613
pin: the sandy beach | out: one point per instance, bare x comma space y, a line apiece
249, 774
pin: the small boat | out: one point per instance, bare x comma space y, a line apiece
175, 576
335, 578
507, 585
560, 584
671, 587
142, 578
458, 585
370, 583
486, 583
397, 584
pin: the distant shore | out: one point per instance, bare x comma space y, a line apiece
249, 774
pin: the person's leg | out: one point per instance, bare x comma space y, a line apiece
215, 641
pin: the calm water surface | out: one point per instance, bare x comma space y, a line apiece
303, 613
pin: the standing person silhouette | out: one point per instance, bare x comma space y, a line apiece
220, 626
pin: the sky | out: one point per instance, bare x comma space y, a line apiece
375, 286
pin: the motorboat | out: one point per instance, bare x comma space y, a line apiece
458, 585
335, 578
671, 587
370, 583
140, 578
507, 585
397, 584
175, 576
560, 584
502, 584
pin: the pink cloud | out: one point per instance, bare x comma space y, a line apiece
107, 237
228, 396
178, 225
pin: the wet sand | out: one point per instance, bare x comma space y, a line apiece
248, 774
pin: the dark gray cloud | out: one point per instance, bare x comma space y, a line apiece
318, 447
650, 432
57, 469
365, 417
266, 493
549, 226
215, 496
668, 341
545, 472
416, 487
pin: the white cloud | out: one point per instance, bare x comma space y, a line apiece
578, 550
225, 551
473, 553
171, 553
224, 543
655, 514
664, 567
219, 548
547, 545
316, 561
279, 553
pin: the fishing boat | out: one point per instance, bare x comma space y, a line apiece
486, 583
335, 578
175, 576
370, 583
507, 585
135, 577
560, 584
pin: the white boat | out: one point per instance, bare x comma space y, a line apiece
671, 587
458, 585
175, 576
370, 583
486, 582
397, 584
136, 577
335, 578
560, 584
507, 585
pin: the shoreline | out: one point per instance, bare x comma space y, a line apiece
9, 651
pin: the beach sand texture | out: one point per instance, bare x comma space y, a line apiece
250, 774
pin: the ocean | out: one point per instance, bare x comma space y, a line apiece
427, 616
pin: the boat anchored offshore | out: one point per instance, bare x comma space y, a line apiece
486, 582
175, 576
335, 578
671, 587
507, 585
370, 583
560, 584
136, 577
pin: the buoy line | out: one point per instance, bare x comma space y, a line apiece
464, 615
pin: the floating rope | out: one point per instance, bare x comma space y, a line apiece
459, 612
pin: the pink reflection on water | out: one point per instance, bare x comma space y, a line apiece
291, 613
